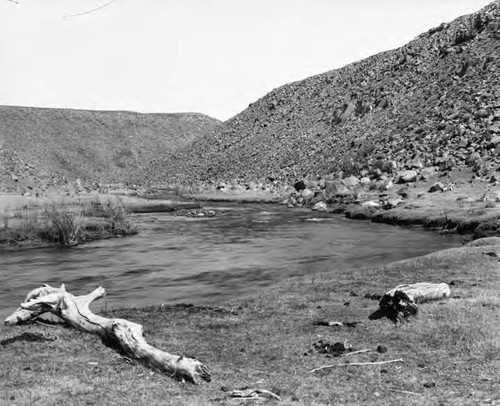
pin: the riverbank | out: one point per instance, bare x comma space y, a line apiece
61, 220
270, 341
447, 201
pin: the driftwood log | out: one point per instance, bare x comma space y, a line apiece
122, 335
402, 301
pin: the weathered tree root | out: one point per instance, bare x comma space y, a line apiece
400, 303
122, 335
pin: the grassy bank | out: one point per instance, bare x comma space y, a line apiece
64, 223
450, 351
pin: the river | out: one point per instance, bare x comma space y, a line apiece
205, 260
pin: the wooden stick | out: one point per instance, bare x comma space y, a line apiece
356, 364
404, 391
356, 352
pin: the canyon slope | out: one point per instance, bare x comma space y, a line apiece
433, 102
42, 148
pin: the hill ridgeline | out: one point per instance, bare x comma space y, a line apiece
41, 148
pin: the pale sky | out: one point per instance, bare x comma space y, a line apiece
208, 56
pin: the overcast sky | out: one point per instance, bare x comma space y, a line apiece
208, 56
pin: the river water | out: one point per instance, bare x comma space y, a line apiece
205, 260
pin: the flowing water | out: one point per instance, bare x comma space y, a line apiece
205, 260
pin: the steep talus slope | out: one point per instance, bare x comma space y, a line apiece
43, 147
436, 99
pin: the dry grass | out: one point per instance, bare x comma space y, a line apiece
450, 351
66, 223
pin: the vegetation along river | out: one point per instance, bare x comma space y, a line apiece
204, 260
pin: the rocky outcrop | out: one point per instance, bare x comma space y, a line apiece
431, 103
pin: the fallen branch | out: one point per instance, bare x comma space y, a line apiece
122, 335
252, 394
404, 391
356, 352
91, 10
356, 364
336, 323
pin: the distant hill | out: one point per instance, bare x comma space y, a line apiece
41, 147
435, 100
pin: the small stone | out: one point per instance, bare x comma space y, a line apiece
403, 192
381, 349
437, 187
429, 384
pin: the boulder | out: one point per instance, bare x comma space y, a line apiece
414, 163
370, 203
407, 176
307, 194
428, 172
437, 187
300, 185
351, 181
361, 213
320, 206
494, 141
384, 185
365, 180
336, 188
392, 202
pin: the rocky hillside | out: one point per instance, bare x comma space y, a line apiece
432, 102
41, 148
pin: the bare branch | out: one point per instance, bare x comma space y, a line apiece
90, 11
356, 364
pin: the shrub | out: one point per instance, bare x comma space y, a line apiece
68, 224
117, 214
62, 226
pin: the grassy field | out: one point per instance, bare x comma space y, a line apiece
451, 350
